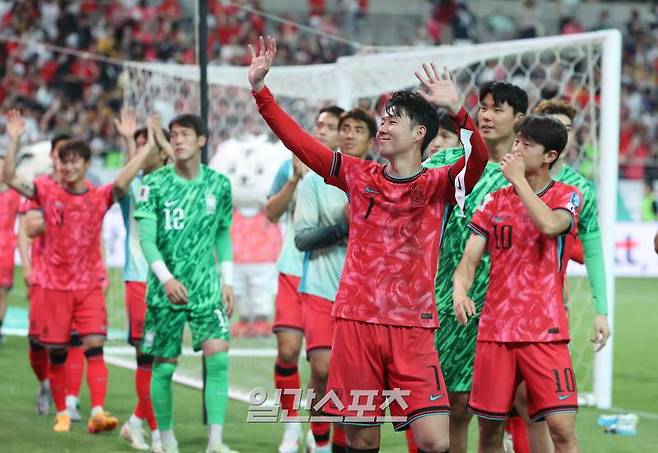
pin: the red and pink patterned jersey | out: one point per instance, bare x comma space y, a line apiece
9, 203
36, 245
73, 223
525, 299
255, 239
395, 225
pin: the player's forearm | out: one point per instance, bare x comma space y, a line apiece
595, 264
549, 222
9, 175
313, 238
131, 148
148, 238
224, 251
463, 278
479, 154
315, 155
23, 242
278, 203
128, 173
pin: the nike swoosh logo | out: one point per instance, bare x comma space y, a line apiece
170, 203
436, 397
497, 219
564, 397
373, 191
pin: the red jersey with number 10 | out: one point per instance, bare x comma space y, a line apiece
72, 255
525, 299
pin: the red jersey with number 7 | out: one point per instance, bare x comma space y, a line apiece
395, 224
525, 299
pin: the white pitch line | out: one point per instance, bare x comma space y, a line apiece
235, 352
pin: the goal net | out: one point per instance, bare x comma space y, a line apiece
583, 69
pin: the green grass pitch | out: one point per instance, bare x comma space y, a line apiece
634, 388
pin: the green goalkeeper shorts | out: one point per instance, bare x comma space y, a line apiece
163, 329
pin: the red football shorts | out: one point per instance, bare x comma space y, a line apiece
85, 308
287, 306
376, 366
36, 311
6, 270
499, 368
135, 310
318, 322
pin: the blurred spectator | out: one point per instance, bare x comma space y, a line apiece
649, 209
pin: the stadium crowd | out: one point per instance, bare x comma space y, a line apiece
56, 90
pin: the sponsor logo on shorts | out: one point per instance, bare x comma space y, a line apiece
564, 397
436, 397
498, 219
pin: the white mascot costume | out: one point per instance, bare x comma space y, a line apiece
251, 163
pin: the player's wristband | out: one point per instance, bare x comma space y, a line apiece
161, 271
226, 272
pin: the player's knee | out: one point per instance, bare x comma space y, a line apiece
320, 368
562, 432
433, 444
459, 408
491, 434
93, 341
289, 352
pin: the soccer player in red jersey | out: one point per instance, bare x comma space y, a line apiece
523, 332
73, 215
9, 204
384, 309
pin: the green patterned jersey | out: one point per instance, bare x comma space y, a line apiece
457, 233
190, 214
588, 221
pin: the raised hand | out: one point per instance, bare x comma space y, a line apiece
126, 124
438, 89
513, 167
15, 124
261, 61
601, 332
153, 122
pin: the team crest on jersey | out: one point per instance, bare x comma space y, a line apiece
574, 202
487, 199
211, 203
143, 194
417, 196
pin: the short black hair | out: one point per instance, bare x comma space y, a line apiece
360, 114
333, 110
190, 120
418, 110
446, 122
544, 130
58, 138
74, 148
503, 92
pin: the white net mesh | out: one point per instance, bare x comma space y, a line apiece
567, 67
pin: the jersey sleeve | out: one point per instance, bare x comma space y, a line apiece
570, 200
466, 172
225, 204
147, 198
314, 154
28, 204
481, 219
280, 179
105, 195
40, 191
588, 221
